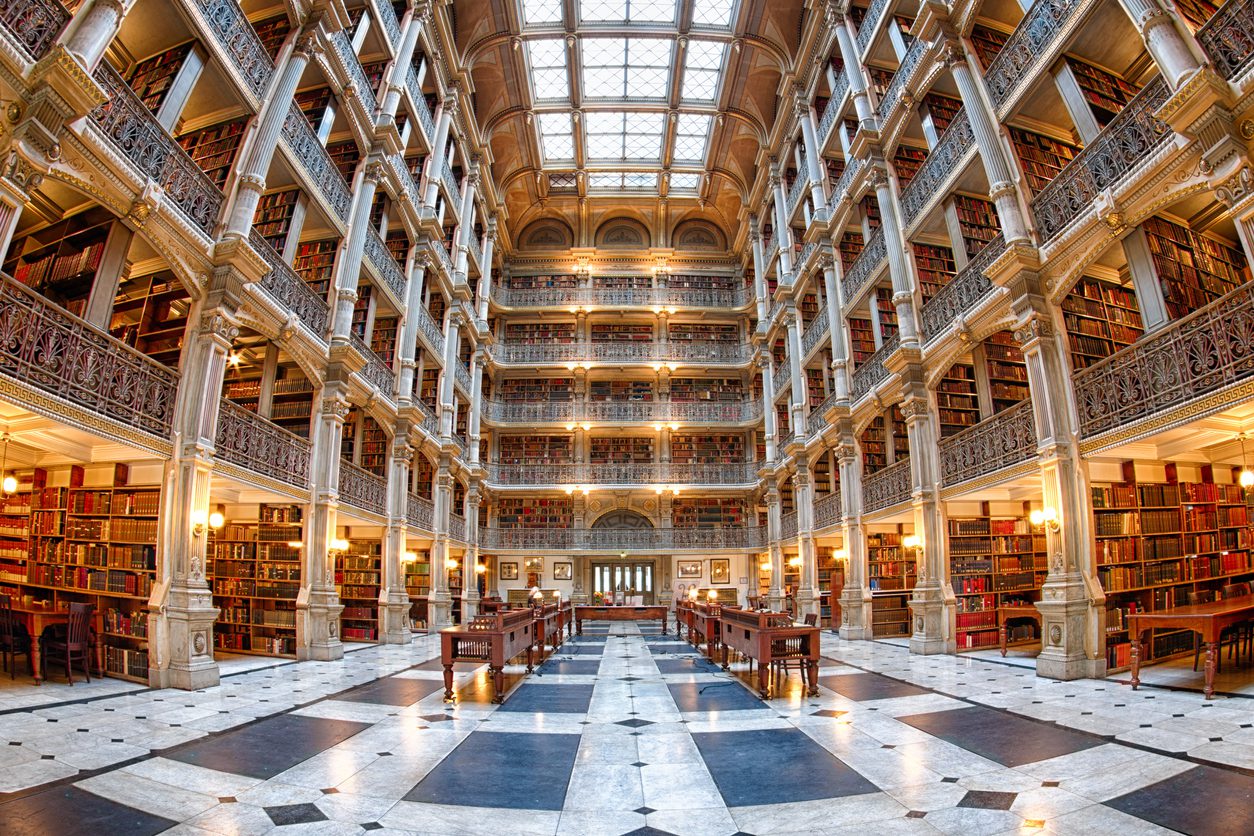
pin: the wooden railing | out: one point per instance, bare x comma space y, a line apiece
257, 445
362, 489
1006, 439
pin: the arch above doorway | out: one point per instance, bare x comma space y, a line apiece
623, 519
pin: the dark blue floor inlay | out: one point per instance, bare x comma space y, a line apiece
583, 649
870, 686
557, 699
572, 667
786, 766
392, 691
695, 665
725, 695
1202, 801
71, 810
521, 771
1001, 737
267, 747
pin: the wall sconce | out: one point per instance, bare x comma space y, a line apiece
657, 428
409, 557
911, 541
586, 426
10, 482
712, 595
480, 569
795, 561
296, 544
672, 366
657, 367
234, 359
202, 519
450, 563
570, 428
675, 491
692, 593
765, 565
659, 490
674, 426
570, 367
840, 554
337, 544
1047, 517
1245, 480
569, 489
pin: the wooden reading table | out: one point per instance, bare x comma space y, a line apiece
767, 638
683, 617
566, 618
705, 627
38, 618
1208, 620
548, 626
1005, 615
494, 639
585, 612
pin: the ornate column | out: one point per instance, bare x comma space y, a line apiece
759, 269
439, 147
898, 266
485, 268
470, 578
398, 75
348, 265
318, 604
809, 132
853, 71
440, 604
92, 30
775, 596
803, 493
470, 183
783, 232
840, 353
797, 399
476, 407
452, 344
766, 364
855, 599
1163, 39
407, 350
393, 599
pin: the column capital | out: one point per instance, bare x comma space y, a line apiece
308, 45
335, 406
375, 172
215, 323
1034, 328
951, 54
913, 408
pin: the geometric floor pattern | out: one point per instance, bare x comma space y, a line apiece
622, 731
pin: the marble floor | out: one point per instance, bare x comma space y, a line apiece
625, 730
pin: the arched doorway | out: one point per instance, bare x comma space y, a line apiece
623, 519
624, 577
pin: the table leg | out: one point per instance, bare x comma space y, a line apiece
1001, 638
812, 668
448, 682
497, 675
1136, 660
764, 680
1211, 652
725, 665
36, 659
666, 629
579, 626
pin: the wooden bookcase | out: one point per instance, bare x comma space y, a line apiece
292, 399
358, 576
60, 261
698, 281
536, 449
1007, 371
150, 315
688, 512
561, 281
1194, 269
850, 248
703, 332
994, 562
956, 400
1106, 93
152, 78
693, 448
314, 103
556, 512
315, 264
887, 312
418, 587
344, 156
617, 391
815, 391
942, 109
273, 218
978, 221
831, 579
535, 389
256, 578
874, 443
987, 43
861, 338
363, 308
1101, 317
1041, 157
383, 338
621, 449
214, 148
604, 332
890, 615
907, 161
273, 32
632, 282
890, 572
397, 243
935, 266
538, 333
689, 389
374, 447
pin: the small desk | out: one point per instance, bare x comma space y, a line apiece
1005, 615
768, 637
1208, 620
37, 618
583, 612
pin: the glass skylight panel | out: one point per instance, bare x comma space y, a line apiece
636, 68
556, 136
542, 11
628, 11
712, 12
548, 68
685, 182
703, 64
629, 180
563, 182
692, 131
624, 136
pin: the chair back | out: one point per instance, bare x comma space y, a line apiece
1236, 590
80, 625
6, 618
1205, 596
812, 619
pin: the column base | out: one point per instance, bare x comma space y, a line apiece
931, 618
439, 611
807, 602
470, 607
319, 615
1067, 617
855, 614
394, 620
188, 635
775, 600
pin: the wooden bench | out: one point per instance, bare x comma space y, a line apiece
705, 627
770, 638
494, 639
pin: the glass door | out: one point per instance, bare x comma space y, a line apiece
623, 580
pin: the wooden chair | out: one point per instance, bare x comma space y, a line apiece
1244, 630
812, 619
14, 640
72, 645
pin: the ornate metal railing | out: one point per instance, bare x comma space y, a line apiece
782, 378
140, 138
636, 540
574, 473
892, 94
1006, 439
352, 66
814, 333
420, 105
827, 510
362, 489
387, 268
49, 349
803, 259
871, 371
797, 189
240, 41
870, 23
429, 422
816, 420
461, 374
963, 293
250, 441
310, 154
614, 412
1199, 355
723, 353
845, 182
457, 527
1127, 141
615, 297
387, 16
1032, 39
420, 513
942, 162
289, 290
833, 108
788, 525
429, 328
865, 266
377, 372
34, 24
454, 188
890, 486
441, 255
1228, 38
772, 244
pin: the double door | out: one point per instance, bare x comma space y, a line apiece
621, 578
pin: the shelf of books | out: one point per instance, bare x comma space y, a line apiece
273, 218
556, 512
152, 78
603, 391
874, 444
562, 281
942, 109
429, 387
362, 310
1194, 269
1106, 93
850, 248
887, 312
633, 282
358, 576
344, 156
620, 449
536, 389
348, 437
891, 575
987, 43
815, 391
60, 261
374, 447
273, 32
900, 438
314, 103
957, 401
1007, 371
214, 148
935, 266
907, 161
150, 315
996, 561
539, 333
703, 332
861, 339
1041, 157
292, 399
871, 211
603, 332
978, 221
1196, 13
689, 389
315, 264
256, 578
536, 449
1158, 541
687, 512
418, 587
687, 448
696, 281
1101, 317
831, 579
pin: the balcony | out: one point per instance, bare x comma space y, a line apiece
684, 353
614, 297
660, 473
387, 17
871, 372
1228, 38
461, 377
827, 511
239, 42
457, 527
441, 255
429, 330
814, 333
788, 526
356, 76
816, 420
1006, 439
34, 24
890, 486
624, 412
288, 289
308, 153
943, 162
635, 540
1201, 355
362, 489
69, 361
246, 439
137, 135
840, 189
1107, 162
797, 189
454, 190
1034, 39
870, 24
429, 422
864, 268
828, 122
964, 292
803, 260
419, 513
386, 268
893, 94
376, 371
781, 380
420, 105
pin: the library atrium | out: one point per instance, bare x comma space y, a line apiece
766, 416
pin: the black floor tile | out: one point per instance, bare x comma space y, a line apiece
517, 770
1203, 801
597, 649
268, 747
1001, 737
570, 667
392, 690
685, 666
558, 699
870, 686
295, 814
713, 696
69, 810
786, 766
988, 800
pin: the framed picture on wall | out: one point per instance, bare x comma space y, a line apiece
535, 564
562, 571
509, 571
689, 569
720, 570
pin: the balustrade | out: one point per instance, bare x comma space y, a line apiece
827, 511
833, 108
385, 265
387, 17
943, 161
239, 40
362, 489
623, 412
803, 260
308, 152
1006, 439
781, 379
454, 189
352, 67
1032, 39
429, 422
892, 94
816, 420
699, 352
671, 473
814, 333
636, 540
34, 24
376, 371
887, 487
842, 186
872, 371
797, 189
246, 439
288, 289
873, 256
1228, 38
616, 297
963, 293
788, 526
420, 105
457, 527
461, 375
441, 255
419, 513
429, 329
870, 23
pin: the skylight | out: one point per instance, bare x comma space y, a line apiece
548, 68
631, 68
703, 64
542, 11
685, 182
563, 182
625, 180
625, 136
556, 136
628, 11
692, 131
712, 12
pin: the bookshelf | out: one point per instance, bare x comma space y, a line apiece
348, 438
995, 562
535, 389
871, 212
15, 532
1101, 317
850, 248
1106, 93
887, 312
538, 333
697, 281
273, 32
1194, 269
344, 156
942, 109
900, 438
374, 447
815, 391
256, 578
314, 103
1196, 12
418, 585
603, 332
987, 43
891, 576
214, 148
861, 339
60, 261
831, 579
397, 243
273, 218
535, 513
907, 161
429, 387
362, 309
561, 281
292, 399
935, 266
1040, 156
617, 391
536, 449
358, 575
315, 264
978, 221
621, 450
690, 389
707, 513
422, 477
636, 282
383, 338
1159, 541
874, 443
688, 448
835, 169
1007, 371
880, 79
703, 332
150, 315
956, 400
152, 78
